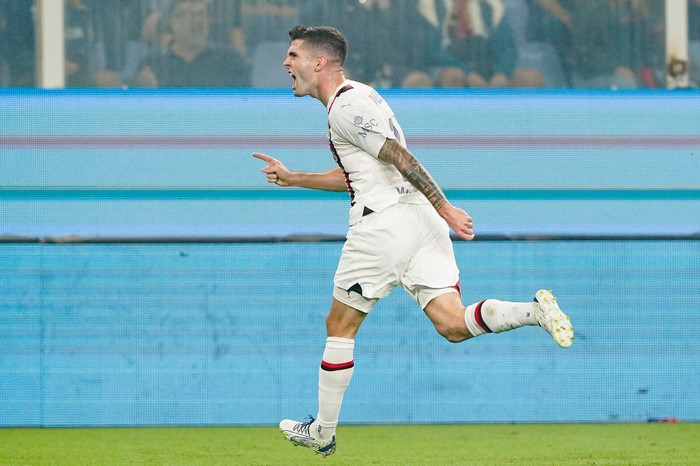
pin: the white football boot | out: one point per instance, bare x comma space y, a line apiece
300, 435
551, 318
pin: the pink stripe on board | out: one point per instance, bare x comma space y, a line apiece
19, 141
158, 141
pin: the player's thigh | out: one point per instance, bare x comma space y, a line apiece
433, 264
374, 255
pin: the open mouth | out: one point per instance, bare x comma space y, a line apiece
294, 80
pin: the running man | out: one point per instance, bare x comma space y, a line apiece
399, 230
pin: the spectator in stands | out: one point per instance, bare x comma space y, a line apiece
641, 38
96, 34
262, 20
79, 43
118, 42
477, 35
432, 31
383, 54
694, 20
19, 42
227, 25
694, 40
551, 21
595, 63
225, 17
427, 63
409, 56
353, 18
384, 57
154, 29
4, 67
189, 59
612, 44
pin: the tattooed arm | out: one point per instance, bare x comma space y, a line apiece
394, 153
397, 155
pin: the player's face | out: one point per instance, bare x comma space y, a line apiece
301, 64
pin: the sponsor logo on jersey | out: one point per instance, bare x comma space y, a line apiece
365, 126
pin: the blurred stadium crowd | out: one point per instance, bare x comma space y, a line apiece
393, 43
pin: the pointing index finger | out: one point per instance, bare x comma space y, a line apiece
263, 157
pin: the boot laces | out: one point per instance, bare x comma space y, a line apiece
304, 427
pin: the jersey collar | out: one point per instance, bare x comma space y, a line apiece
345, 86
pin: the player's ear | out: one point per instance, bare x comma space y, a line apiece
321, 61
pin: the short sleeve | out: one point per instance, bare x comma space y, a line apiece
362, 124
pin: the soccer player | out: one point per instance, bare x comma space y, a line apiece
398, 234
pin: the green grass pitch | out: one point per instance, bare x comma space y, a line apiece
470, 444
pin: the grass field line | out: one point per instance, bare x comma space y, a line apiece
467, 444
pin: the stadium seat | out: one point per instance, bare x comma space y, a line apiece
267, 69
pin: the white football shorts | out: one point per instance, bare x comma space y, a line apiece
404, 243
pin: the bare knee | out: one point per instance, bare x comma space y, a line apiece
453, 333
446, 312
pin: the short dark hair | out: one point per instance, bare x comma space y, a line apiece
329, 39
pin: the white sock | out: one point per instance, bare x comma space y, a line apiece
333, 378
496, 316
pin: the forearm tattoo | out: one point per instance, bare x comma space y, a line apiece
397, 155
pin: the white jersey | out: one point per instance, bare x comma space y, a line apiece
359, 123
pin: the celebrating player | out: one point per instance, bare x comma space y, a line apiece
399, 230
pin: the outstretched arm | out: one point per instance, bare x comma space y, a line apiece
397, 155
277, 173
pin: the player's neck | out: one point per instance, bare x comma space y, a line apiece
328, 86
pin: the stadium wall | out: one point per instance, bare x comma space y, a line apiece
178, 164
150, 276
228, 334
